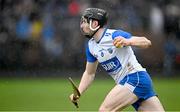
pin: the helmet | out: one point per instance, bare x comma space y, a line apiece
98, 14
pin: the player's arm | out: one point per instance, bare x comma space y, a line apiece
88, 76
87, 79
141, 42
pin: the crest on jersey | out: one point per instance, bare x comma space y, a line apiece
102, 54
110, 50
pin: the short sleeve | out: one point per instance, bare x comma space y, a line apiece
89, 56
121, 33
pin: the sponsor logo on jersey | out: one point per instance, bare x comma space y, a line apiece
112, 66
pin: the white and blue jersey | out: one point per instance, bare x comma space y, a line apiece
118, 62
121, 64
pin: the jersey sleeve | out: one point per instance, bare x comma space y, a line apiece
121, 33
89, 56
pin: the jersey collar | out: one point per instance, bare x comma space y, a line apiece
102, 35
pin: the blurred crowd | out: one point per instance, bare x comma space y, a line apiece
45, 33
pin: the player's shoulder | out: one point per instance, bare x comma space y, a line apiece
109, 32
120, 32
116, 30
112, 33
91, 42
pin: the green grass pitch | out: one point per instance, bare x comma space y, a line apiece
48, 94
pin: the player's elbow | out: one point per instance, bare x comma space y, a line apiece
147, 43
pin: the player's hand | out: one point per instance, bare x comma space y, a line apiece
121, 41
74, 98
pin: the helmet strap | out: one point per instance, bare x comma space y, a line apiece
93, 29
90, 26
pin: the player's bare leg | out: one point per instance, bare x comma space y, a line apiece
151, 104
117, 99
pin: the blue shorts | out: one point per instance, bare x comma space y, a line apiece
140, 84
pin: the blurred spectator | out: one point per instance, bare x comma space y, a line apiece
172, 29
156, 20
36, 26
169, 56
172, 19
73, 8
47, 31
23, 27
50, 41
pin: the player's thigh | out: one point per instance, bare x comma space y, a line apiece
151, 104
118, 98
